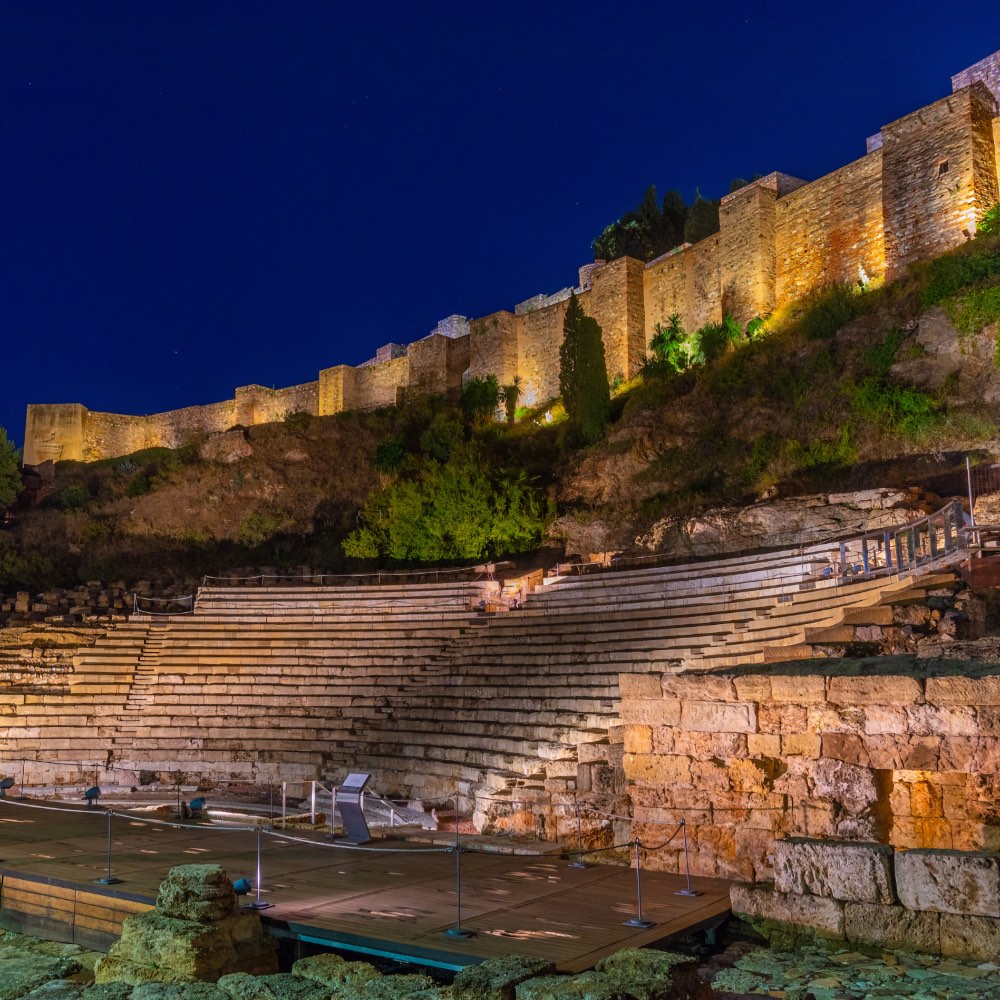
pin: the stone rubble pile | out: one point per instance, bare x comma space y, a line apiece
850, 975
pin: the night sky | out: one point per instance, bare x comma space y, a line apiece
201, 195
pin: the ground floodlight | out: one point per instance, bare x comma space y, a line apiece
197, 807
91, 795
242, 886
5, 783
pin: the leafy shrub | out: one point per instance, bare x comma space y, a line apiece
258, 527
975, 309
442, 436
715, 339
949, 275
878, 359
75, 497
138, 486
989, 224
480, 398
894, 408
298, 420
450, 511
389, 455
830, 309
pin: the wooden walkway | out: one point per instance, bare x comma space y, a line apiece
395, 900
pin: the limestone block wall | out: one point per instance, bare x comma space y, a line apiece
686, 282
493, 344
900, 751
539, 337
938, 176
436, 363
257, 404
826, 230
53, 432
987, 70
615, 300
747, 265
922, 900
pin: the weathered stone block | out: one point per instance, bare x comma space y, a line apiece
891, 927
800, 745
875, 690
809, 690
586, 986
645, 686
849, 872
712, 717
648, 974
753, 687
659, 768
760, 901
949, 881
974, 938
764, 745
699, 687
497, 978
963, 690
651, 711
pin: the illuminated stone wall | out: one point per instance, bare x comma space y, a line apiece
493, 347
925, 182
907, 756
748, 246
825, 231
938, 176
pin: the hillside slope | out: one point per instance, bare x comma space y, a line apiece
849, 390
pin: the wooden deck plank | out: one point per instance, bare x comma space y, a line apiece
395, 897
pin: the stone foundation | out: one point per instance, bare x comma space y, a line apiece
896, 750
867, 895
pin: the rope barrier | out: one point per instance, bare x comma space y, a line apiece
359, 847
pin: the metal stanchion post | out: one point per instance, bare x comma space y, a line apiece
108, 879
458, 931
312, 805
270, 803
579, 863
284, 803
258, 904
687, 867
637, 920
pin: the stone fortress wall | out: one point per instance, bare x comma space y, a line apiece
919, 190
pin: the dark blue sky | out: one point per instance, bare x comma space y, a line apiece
201, 195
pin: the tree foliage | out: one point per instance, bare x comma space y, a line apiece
509, 395
480, 398
651, 229
583, 373
454, 510
10, 475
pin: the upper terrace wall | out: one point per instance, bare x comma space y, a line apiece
924, 184
825, 231
938, 176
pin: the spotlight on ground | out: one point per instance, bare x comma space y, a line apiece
5, 784
242, 886
92, 794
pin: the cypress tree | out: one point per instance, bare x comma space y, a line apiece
583, 373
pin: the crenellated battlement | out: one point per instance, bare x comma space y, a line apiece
920, 189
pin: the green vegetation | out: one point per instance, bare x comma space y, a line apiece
807, 399
450, 512
480, 398
10, 476
583, 374
989, 224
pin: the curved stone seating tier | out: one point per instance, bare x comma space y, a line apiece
411, 682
